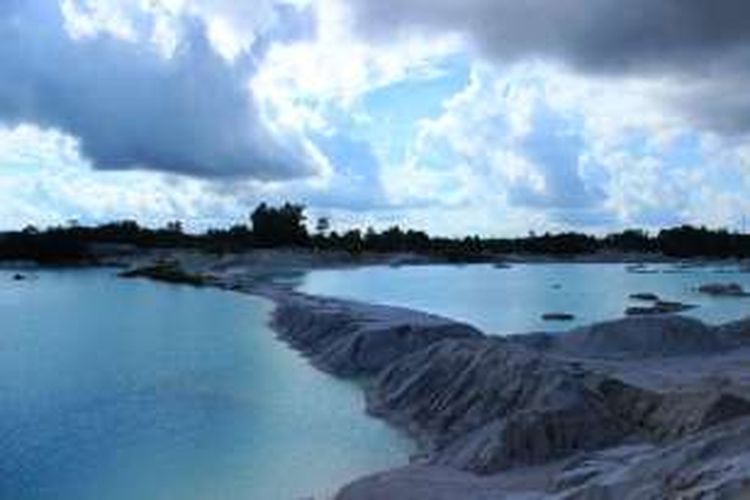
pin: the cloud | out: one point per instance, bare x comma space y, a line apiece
355, 184
555, 146
137, 93
512, 146
591, 33
703, 46
44, 181
539, 142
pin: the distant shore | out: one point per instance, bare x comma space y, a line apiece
260, 261
306, 259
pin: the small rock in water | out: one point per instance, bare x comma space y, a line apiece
18, 277
640, 311
556, 286
646, 297
659, 307
640, 269
723, 290
558, 317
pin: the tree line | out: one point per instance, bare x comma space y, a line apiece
287, 226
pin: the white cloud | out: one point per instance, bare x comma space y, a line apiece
300, 82
626, 136
45, 181
232, 27
130, 105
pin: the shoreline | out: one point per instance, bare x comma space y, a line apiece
522, 415
310, 258
331, 332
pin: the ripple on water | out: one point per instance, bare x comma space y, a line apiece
114, 389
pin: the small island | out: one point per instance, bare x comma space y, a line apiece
723, 290
556, 316
645, 297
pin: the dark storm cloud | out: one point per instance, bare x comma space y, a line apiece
720, 101
129, 107
705, 41
591, 33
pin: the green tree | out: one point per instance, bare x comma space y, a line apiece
323, 225
279, 226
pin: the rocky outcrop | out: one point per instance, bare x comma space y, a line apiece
663, 416
713, 463
632, 337
490, 405
735, 334
169, 272
352, 339
557, 316
723, 290
426, 482
644, 297
659, 307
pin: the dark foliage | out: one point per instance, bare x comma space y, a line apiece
51, 247
688, 241
284, 226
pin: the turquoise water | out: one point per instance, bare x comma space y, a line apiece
121, 390
503, 301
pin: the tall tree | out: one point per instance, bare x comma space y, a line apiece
279, 226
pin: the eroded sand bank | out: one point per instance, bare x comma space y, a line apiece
648, 407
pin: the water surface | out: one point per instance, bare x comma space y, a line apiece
503, 301
121, 390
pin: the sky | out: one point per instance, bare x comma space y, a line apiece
492, 117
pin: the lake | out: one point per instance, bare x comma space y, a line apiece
113, 389
512, 300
